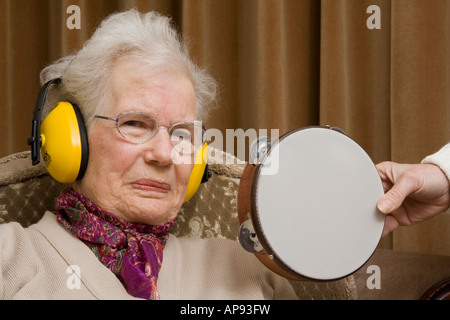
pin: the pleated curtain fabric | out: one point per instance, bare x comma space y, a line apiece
377, 69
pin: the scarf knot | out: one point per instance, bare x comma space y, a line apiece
132, 251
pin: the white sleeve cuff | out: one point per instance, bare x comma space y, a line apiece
442, 160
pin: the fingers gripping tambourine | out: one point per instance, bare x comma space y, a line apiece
308, 208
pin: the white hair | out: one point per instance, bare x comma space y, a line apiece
150, 38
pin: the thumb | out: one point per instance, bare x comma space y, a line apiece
394, 198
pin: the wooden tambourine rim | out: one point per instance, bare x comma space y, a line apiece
439, 291
247, 210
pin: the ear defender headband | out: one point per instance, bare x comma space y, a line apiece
62, 140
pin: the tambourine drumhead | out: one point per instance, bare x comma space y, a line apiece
314, 200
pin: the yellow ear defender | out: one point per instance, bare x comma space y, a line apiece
61, 137
64, 143
199, 173
62, 140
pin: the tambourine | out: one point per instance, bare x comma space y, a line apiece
307, 208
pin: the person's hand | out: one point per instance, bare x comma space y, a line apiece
414, 193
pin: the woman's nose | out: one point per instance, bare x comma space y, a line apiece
159, 148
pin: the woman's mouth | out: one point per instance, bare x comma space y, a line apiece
151, 185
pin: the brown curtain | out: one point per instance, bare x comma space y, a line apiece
281, 64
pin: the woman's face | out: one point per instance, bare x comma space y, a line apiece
139, 182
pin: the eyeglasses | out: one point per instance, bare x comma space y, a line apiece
139, 127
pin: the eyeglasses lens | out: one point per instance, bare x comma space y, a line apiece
137, 127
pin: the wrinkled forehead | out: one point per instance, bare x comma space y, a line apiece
167, 94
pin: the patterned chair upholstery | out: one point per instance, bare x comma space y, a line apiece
26, 192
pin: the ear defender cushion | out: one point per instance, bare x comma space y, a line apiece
64, 146
198, 172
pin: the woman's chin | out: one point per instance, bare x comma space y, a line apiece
153, 211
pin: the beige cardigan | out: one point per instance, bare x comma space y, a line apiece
35, 262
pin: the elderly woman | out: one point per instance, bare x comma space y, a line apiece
134, 84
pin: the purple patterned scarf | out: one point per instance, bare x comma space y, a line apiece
132, 251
